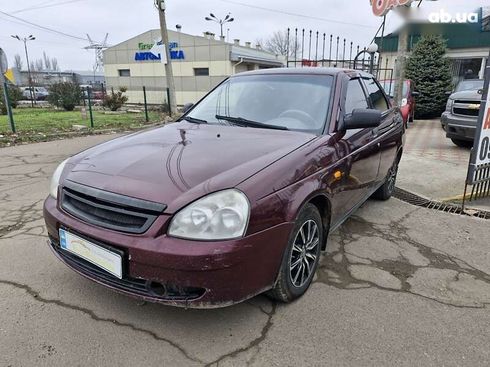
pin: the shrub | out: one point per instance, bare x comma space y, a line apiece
431, 72
115, 100
65, 94
15, 94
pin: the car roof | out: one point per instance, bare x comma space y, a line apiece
303, 71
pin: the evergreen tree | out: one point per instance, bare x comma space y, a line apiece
431, 72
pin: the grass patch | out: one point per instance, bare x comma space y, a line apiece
49, 121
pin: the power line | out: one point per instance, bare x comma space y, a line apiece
295, 14
43, 27
48, 4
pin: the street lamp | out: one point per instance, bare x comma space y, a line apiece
31, 89
221, 22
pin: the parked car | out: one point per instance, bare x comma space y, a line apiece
94, 94
462, 110
237, 197
38, 93
408, 104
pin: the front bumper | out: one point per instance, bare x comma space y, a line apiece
174, 271
459, 127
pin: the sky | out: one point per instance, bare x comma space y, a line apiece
123, 19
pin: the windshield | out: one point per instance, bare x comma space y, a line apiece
469, 85
293, 102
390, 86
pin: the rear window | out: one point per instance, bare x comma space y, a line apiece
390, 86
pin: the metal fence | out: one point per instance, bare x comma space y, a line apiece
90, 113
307, 48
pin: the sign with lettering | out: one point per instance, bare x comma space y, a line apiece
482, 146
479, 167
156, 52
382, 7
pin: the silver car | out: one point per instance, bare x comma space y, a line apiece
462, 110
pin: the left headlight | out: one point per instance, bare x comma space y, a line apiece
55, 180
449, 104
219, 216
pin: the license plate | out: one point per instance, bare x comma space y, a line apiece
95, 254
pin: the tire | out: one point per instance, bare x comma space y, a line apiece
462, 143
292, 281
386, 191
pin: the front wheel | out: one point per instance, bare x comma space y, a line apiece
462, 143
388, 188
301, 257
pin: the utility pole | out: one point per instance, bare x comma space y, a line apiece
401, 59
31, 88
160, 4
401, 63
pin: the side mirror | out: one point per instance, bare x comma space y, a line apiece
448, 93
362, 118
415, 94
187, 107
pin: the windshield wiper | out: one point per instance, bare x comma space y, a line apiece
194, 120
244, 122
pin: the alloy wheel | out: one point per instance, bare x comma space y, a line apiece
392, 178
304, 253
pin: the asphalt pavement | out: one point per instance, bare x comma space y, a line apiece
399, 285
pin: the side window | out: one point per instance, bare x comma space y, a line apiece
376, 95
355, 97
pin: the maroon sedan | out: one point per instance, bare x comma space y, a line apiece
237, 197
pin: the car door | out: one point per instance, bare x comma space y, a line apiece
387, 134
358, 150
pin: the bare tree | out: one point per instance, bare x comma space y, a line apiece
279, 44
47, 61
18, 63
54, 64
32, 65
39, 65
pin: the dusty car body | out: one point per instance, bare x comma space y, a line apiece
129, 197
462, 110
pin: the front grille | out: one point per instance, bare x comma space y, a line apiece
135, 286
466, 112
109, 210
463, 108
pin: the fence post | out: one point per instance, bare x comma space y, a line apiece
168, 102
90, 108
146, 105
8, 106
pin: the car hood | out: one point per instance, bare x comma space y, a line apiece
181, 162
467, 95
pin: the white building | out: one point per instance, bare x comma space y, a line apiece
199, 63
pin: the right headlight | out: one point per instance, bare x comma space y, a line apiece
55, 180
449, 104
219, 216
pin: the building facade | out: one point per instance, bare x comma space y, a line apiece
468, 45
199, 63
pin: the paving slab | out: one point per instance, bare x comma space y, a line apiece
398, 285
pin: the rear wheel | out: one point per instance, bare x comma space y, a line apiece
388, 188
301, 257
462, 143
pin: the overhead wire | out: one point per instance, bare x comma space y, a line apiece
278, 11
